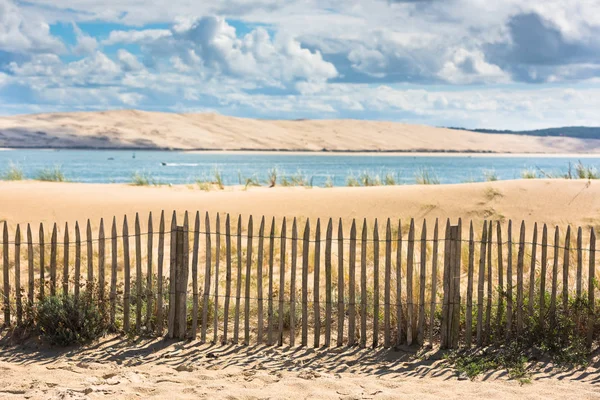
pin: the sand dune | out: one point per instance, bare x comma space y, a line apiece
140, 129
559, 202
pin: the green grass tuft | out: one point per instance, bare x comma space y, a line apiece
13, 173
425, 176
51, 175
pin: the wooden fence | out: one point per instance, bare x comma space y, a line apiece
388, 286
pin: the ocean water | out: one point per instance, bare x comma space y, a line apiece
110, 166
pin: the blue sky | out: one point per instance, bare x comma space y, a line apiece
507, 64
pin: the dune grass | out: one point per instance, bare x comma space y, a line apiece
143, 179
426, 176
13, 173
53, 174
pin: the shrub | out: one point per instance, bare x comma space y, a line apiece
329, 182
63, 320
51, 175
584, 172
218, 178
14, 173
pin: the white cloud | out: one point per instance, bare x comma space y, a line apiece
19, 34
136, 36
128, 61
85, 43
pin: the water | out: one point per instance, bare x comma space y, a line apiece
110, 166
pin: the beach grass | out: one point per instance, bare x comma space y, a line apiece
53, 174
143, 179
13, 173
426, 176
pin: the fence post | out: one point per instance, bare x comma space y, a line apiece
179, 277
451, 312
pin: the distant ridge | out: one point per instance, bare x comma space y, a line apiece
579, 132
133, 129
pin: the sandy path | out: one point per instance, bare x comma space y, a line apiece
559, 202
117, 369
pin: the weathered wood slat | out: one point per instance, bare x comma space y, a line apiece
375, 284
363, 285
422, 276
270, 297
328, 310
238, 290
490, 285
18, 296
554, 277
183, 275
446, 284
509, 282
90, 254
434, 272
469, 300
501, 293
457, 291
248, 278
316, 286
480, 284
6, 275
159, 272
305, 248
65, 280
532, 272
53, 245
387, 276
520, 262
579, 262
195, 294
113, 270
293, 284
207, 279
217, 267
101, 263
340, 285
399, 285
259, 279
149, 276
30, 271
126, 277
77, 278
591, 289
565, 274
409, 282
352, 287
42, 261
282, 248
172, 277
227, 277
138, 274
544, 266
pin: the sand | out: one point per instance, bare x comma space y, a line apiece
117, 368
555, 202
141, 129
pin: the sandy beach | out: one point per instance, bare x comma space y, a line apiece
551, 201
156, 130
118, 368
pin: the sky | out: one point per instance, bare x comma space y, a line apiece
503, 64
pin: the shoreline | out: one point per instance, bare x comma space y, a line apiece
360, 153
